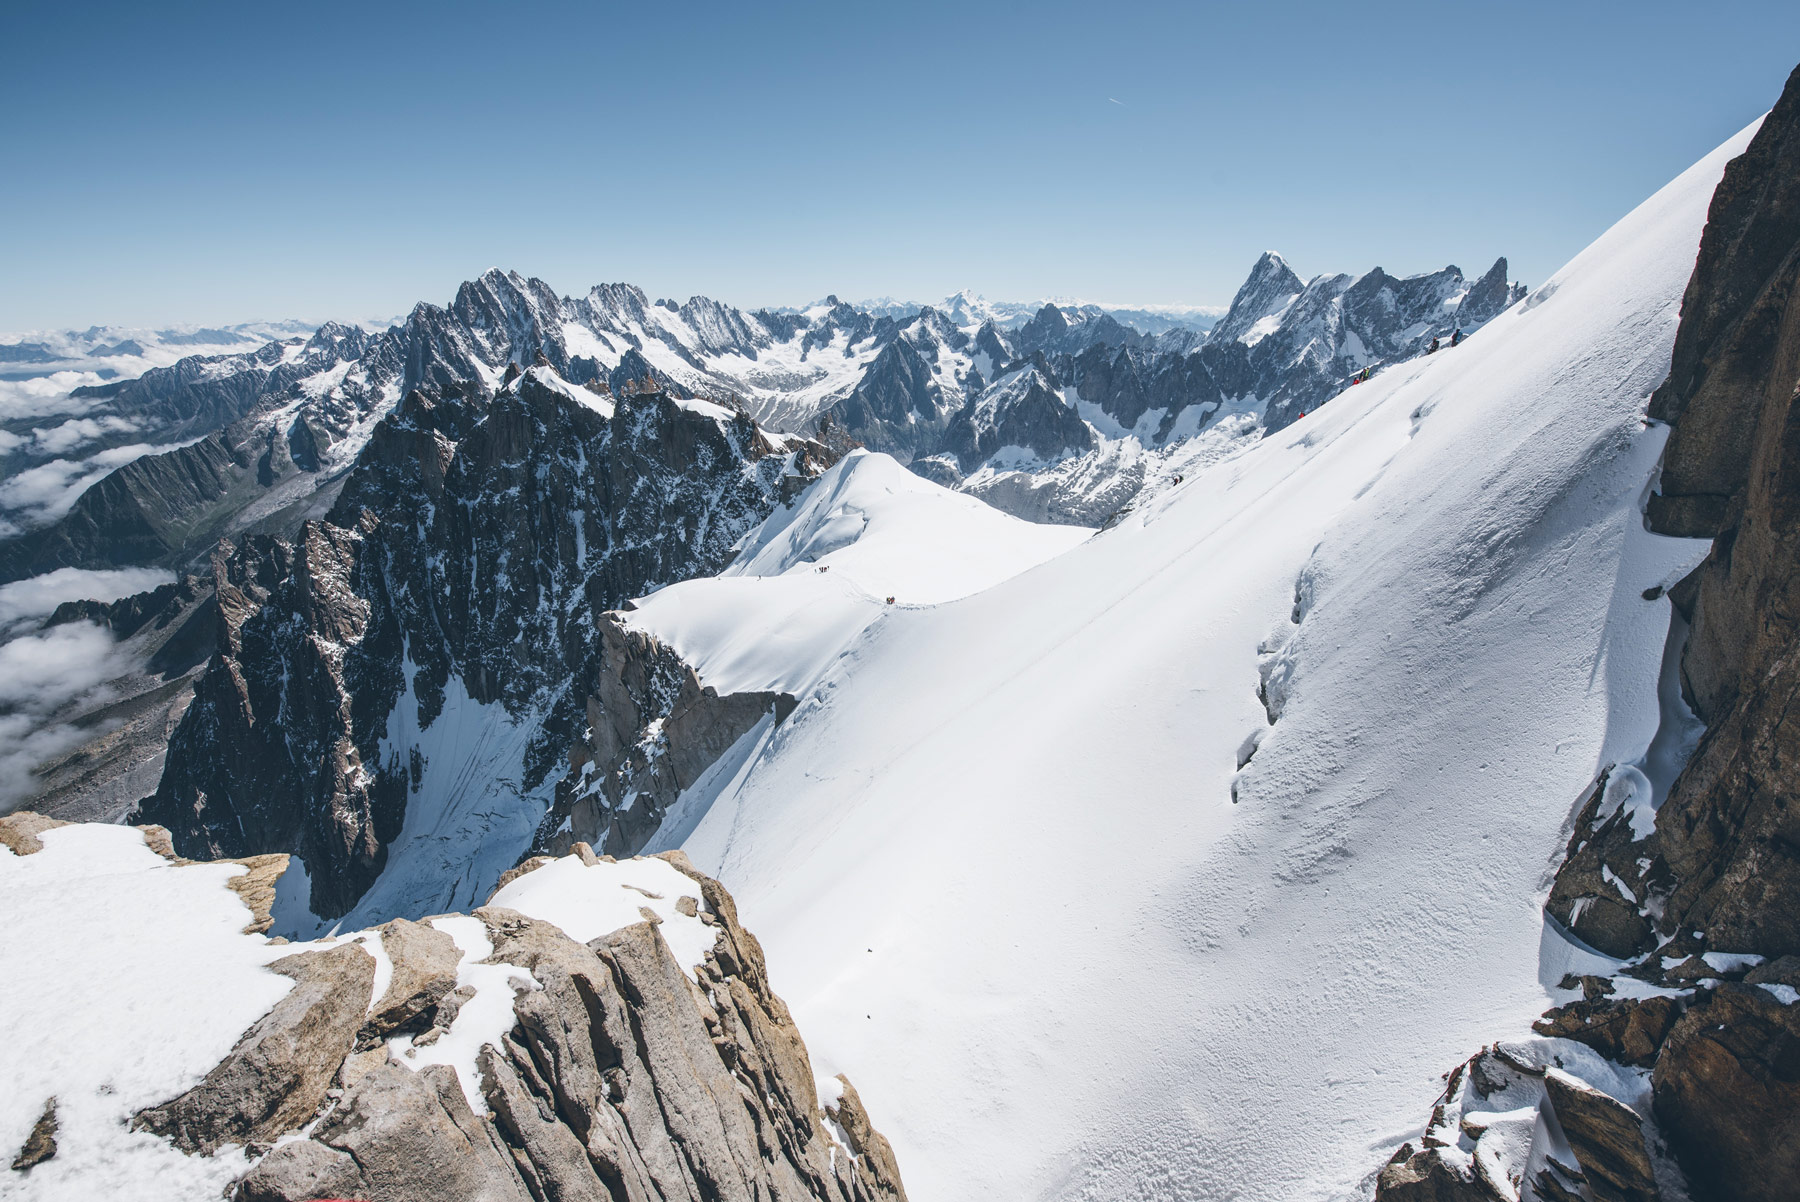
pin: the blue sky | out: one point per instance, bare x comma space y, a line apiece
219, 163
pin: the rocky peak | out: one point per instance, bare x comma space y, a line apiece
1023, 409
511, 318
991, 342
1271, 286
1488, 296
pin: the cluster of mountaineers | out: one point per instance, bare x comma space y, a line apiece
1362, 377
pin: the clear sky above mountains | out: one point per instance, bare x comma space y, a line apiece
218, 163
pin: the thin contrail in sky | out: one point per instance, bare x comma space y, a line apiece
1120, 103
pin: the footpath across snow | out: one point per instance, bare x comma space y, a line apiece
995, 858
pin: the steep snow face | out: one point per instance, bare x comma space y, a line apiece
995, 858
818, 572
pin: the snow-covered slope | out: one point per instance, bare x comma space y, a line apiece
818, 572
995, 855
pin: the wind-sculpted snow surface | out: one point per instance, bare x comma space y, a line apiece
995, 855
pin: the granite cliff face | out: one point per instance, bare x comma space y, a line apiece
423, 654
619, 1078
1701, 901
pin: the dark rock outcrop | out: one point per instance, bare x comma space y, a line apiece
40, 1145
652, 731
1427, 1175
1728, 1094
1606, 1136
1628, 1030
1604, 880
1730, 831
1512, 1107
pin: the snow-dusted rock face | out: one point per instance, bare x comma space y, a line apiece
1111, 409
394, 689
653, 732
598, 1029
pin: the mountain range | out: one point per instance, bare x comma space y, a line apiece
1061, 417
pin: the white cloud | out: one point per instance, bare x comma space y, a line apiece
40, 673
44, 672
24, 744
75, 432
45, 396
38, 597
49, 490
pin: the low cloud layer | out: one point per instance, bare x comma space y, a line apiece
28, 601
77, 432
46, 676
47, 396
44, 493
41, 673
63, 668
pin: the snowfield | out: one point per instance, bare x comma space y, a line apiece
995, 856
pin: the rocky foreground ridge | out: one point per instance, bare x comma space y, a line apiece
1681, 1071
615, 1074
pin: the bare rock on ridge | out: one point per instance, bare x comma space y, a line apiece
275, 1079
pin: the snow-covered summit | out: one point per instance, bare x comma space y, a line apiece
868, 539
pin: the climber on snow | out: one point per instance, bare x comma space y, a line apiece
1456, 336
1432, 349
